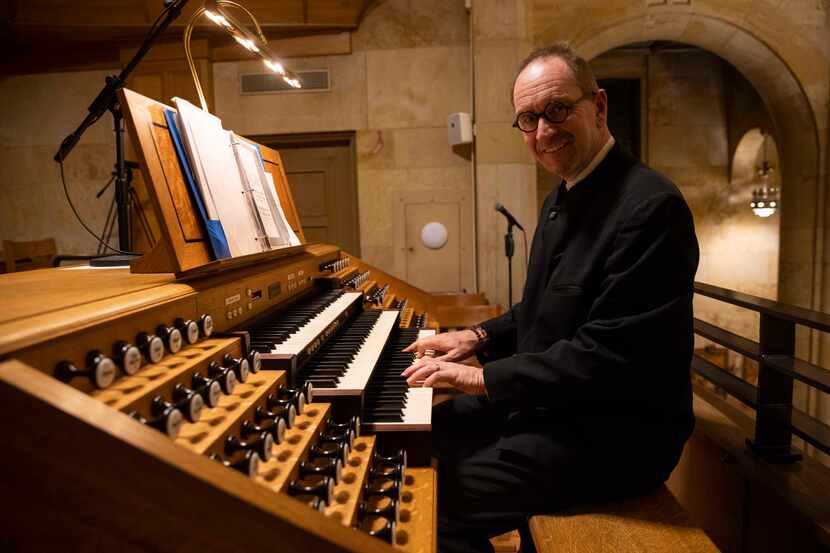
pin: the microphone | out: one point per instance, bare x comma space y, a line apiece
510, 219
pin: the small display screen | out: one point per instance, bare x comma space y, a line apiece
274, 290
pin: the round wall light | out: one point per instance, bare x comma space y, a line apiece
434, 235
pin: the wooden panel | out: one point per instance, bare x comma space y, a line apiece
655, 522
140, 491
26, 295
335, 11
183, 206
325, 191
417, 527
143, 115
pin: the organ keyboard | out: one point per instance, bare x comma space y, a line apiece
289, 338
196, 424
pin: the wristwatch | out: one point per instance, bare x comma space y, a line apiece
481, 334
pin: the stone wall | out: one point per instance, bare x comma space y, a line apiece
688, 141
408, 71
36, 113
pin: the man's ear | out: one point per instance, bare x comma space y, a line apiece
602, 107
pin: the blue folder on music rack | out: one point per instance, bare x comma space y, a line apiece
215, 232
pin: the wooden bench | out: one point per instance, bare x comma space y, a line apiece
654, 523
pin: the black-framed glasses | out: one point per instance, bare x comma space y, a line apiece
555, 112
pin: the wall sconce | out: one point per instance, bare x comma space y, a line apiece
765, 198
253, 42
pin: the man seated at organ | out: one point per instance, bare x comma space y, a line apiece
584, 393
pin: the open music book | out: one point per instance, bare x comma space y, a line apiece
239, 200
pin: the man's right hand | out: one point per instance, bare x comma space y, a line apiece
449, 346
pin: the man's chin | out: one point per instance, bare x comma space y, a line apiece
558, 169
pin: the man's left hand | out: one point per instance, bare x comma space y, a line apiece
427, 372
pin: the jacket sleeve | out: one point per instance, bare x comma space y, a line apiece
503, 337
639, 331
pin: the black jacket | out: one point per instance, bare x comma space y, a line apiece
596, 356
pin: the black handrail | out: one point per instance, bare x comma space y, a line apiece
776, 420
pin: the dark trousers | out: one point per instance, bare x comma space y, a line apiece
495, 471
483, 489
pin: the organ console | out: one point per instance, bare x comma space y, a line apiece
166, 405
308, 424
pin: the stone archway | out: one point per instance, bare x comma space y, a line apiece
794, 123
793, 96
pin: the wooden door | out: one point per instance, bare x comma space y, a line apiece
448, 268
322, 179
435, 270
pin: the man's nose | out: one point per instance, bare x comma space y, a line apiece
544, 128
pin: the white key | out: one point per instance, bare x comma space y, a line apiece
417, 414
359, 371
295, 343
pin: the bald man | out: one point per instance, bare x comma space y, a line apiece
584, 392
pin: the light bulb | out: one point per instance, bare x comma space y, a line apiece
218, 19
274, 66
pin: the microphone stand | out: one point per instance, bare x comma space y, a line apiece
108, 101
509, 247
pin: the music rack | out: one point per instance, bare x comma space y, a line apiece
183, 247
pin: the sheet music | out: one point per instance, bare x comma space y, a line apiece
253, 177
272, 192
211, 152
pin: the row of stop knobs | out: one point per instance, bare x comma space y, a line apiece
317, 475
101, 369
187, 402
380, 509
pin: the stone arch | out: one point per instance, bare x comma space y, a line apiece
792, 114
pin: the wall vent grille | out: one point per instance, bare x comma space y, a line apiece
270, 83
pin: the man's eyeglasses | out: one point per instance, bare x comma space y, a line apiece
555, 112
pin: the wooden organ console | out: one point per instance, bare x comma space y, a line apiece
216, 406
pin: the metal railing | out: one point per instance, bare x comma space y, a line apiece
776, 419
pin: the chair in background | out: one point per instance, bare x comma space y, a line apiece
34, 254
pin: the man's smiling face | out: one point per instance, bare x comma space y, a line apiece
568, 147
